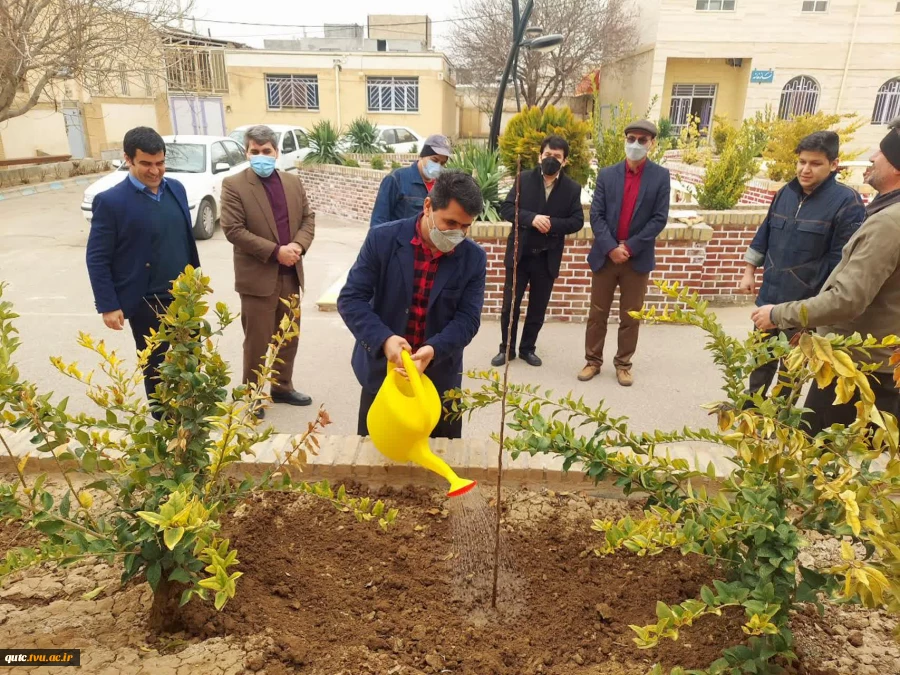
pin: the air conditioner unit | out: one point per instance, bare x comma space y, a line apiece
735, 63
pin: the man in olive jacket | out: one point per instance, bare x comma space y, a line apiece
862, 295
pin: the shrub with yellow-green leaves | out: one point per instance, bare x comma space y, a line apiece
785, 136
843, 482
526, 131
163, 486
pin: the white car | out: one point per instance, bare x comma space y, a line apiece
402, 139
200, 163
291, 143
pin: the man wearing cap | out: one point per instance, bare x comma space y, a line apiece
630, 209
862, 294
402, 193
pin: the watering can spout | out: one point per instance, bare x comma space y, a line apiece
402, 417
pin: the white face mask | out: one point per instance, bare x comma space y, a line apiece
635, 151
445, 241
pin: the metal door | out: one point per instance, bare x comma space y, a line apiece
195, 115
75, 132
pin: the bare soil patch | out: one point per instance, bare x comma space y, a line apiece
324, 595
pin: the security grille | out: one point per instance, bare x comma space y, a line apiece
800, 96
887, 102
393, 94
293, 92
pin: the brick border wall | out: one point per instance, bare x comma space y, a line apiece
759, 192
707, 258
403, 158
342, 191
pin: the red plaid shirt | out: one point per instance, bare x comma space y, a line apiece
424, 270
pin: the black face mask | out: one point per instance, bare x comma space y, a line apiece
550, 166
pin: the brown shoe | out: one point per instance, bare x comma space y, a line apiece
624, 377
589, 372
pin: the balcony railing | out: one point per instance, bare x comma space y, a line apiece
196, 70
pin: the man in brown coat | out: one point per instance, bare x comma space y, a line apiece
266, 215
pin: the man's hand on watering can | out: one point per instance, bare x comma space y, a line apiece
423, 358
393, 346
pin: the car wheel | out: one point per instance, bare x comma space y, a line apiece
206, 220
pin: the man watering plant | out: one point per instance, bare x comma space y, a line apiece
800, 241
418, 286
403, 192
862, 294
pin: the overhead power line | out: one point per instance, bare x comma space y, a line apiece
300, 25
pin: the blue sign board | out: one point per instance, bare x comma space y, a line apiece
762, 76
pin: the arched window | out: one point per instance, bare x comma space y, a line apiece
800, 96
887, 103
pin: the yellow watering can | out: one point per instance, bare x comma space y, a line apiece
403, 415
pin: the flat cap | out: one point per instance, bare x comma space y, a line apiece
643, 125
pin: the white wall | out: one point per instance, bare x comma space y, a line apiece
37, 130
118, 118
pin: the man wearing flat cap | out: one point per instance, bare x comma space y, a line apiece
630, 209
862, 295
402, 193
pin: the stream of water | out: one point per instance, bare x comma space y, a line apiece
473, 522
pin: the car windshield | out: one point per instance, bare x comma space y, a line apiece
182, 158
185, 158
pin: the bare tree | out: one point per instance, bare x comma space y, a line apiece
595, 31
44, 43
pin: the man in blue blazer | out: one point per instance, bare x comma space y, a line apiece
630, 209
418, 286
140, 241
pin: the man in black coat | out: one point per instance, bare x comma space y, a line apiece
549, 209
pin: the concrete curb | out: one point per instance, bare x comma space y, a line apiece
41, 188
327, 302
343, 458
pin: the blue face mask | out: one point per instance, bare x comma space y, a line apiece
262, 165
432, 169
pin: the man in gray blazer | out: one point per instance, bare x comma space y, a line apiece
630, 209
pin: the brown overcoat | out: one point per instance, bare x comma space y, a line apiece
248, 223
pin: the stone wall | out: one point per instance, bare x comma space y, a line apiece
705, 257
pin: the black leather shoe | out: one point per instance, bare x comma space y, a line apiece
531, 359
500, 359
291, 398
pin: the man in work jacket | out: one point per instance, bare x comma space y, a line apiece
800, 241
862, 295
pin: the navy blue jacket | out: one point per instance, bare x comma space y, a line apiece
375, 301
801, 239
119, 246
401, 195
651, 212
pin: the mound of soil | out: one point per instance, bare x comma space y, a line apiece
344, 597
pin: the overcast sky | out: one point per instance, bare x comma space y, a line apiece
312, 14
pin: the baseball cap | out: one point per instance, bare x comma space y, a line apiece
436, 144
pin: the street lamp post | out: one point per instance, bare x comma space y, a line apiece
542, 44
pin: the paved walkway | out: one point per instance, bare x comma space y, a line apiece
43, 261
